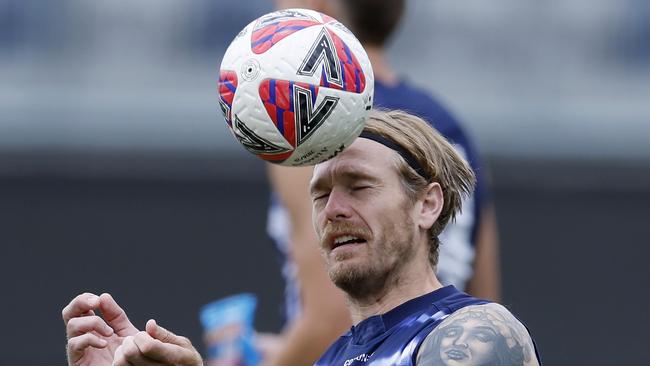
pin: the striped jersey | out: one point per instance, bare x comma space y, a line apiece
394, 338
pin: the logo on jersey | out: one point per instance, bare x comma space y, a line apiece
362, 358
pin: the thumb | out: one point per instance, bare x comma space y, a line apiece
164, 335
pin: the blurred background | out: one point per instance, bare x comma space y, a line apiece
117, 172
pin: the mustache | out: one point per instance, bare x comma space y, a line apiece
338, 228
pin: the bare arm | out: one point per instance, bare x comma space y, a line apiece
324, 315
478, 335
486, 281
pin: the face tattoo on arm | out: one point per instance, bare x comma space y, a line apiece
478, 335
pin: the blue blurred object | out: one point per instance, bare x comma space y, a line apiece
228, 327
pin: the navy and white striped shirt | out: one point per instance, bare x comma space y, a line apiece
394, 338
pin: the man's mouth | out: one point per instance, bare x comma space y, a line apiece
346, 240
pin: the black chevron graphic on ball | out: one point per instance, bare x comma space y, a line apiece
323, 51
307, 119
253, 142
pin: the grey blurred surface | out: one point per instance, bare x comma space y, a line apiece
118, 174
538, 79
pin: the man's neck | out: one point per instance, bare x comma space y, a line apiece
414, 282
380, 66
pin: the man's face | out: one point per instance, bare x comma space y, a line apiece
363, 218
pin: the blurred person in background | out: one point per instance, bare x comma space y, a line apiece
315, 309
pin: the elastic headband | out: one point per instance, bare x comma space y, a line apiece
408, 157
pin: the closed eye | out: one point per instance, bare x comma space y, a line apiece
320, 196
361, 189
358, 188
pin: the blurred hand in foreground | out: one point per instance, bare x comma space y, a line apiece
93, 340
156, 346
112, 340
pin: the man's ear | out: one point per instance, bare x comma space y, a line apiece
432, 202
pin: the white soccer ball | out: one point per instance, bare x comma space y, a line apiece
295, 87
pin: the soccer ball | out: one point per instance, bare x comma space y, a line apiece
295, 87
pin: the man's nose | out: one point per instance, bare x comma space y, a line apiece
338, 206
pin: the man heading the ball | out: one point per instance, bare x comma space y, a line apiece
378, 209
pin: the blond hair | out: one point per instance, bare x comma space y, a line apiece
436, 156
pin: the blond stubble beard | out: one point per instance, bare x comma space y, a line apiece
380, 270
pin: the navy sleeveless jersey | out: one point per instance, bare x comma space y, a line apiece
394, 338
458, 239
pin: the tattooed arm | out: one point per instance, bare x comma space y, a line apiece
478, 335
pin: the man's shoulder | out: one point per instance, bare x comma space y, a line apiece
479, 334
